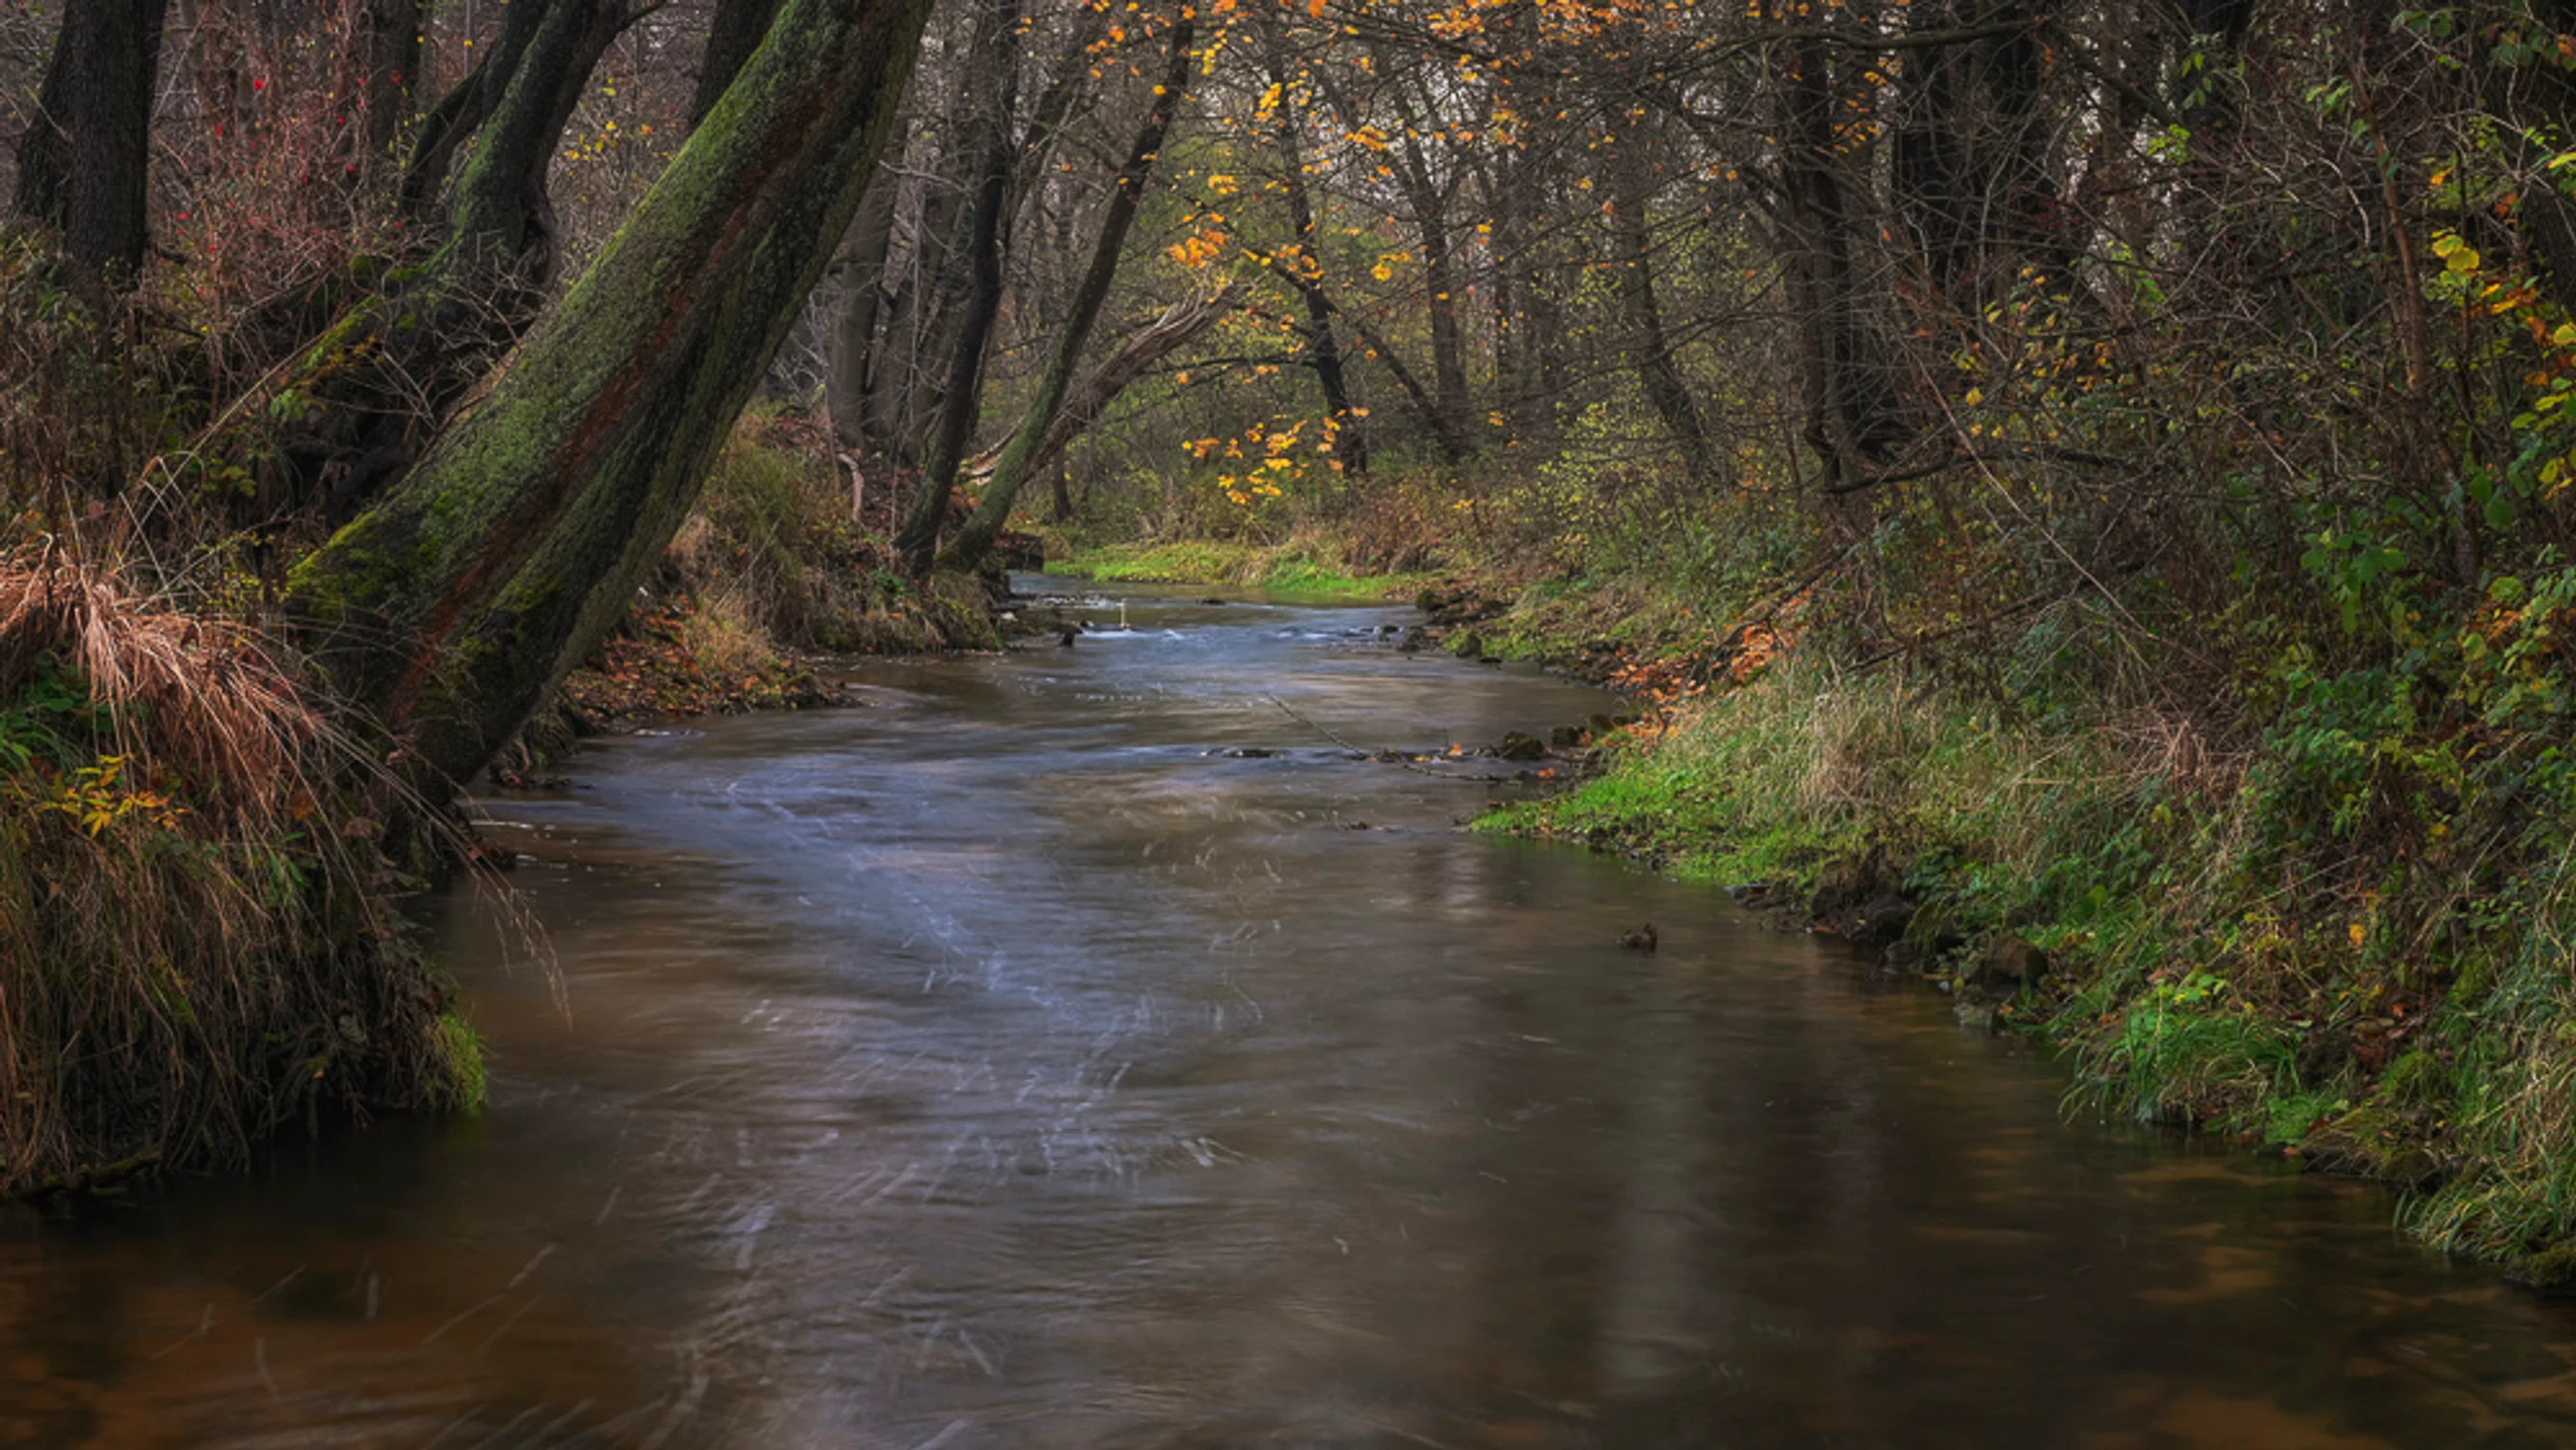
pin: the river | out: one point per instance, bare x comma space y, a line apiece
1082, 1047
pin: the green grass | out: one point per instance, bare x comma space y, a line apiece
2219, 960
462, 1047
1293, 568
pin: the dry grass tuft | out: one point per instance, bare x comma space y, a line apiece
195, 942
181, 690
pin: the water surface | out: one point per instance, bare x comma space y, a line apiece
1080, 1047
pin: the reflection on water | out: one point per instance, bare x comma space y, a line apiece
1003, 1064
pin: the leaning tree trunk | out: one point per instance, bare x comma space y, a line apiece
1019, 454
454, 605
1180, 324
961, 399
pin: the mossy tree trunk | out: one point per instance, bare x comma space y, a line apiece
388, 370
455, 603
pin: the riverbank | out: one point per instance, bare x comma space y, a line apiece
1306, 566
780, 566
201, 870
198, 938
2335, 930
2250, 936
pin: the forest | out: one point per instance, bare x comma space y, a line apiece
2079, 491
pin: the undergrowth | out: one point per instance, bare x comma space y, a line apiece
196, 939
771, 568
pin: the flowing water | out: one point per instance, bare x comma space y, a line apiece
1080, 1047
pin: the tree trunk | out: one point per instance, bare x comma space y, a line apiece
1448, 341
1323, 349
905, 372
86, 154
1428, 198
387, 372
1012, 470
498, 208
1181, 324
732, 36
393, 56
1653, 354
513, 105
1847, 394
962, 396
857, 291
454, 605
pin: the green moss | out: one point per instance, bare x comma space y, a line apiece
2287, 1117
460, 1055
2417, 1079
2552, 1270
1280, 568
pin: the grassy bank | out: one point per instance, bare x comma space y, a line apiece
1312, 564
2274, 833
2279, 939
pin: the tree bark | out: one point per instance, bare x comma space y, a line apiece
731, 38
961, 399
857, 294
1013, 469
86, 155
1323, 349
449, 609
1660, 375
